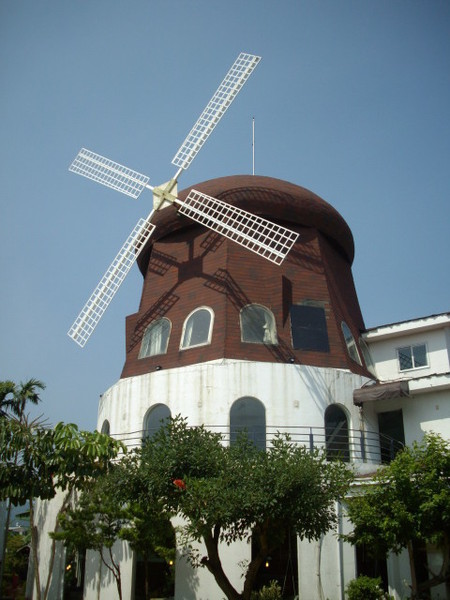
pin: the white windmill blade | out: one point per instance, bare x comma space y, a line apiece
227, 91
105, 291
263, 237
109, 173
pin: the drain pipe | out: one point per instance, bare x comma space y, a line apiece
318, 568
340, 550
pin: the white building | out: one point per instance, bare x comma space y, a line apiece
228, 339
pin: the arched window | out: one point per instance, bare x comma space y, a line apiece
336, 434
350, 342
197, 328
155, 339
105, 427
155, 418
248, 415
258, 325
367, 356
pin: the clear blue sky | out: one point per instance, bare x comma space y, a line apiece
351, 100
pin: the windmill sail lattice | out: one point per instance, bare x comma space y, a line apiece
109, 173
266, 239
105, 291
263, 237
227, 91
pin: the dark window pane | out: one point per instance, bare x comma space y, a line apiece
257, 325
157, 417
412, 357
105, 427
248, 416
392, 435
336, 434
350, 342
156, 338
420, 356
197, 328
309, 328
405, 358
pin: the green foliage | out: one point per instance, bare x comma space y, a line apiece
7, 389
110, 509
268, 592
224, 492
408, 504
409, 501
107, 510
16, 559
37, 461
15, 397
365, 588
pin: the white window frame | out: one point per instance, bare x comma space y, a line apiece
186, 321
350, 342
413, 367
367, 355
270, 328
152, 325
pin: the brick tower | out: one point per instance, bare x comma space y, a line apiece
230, 340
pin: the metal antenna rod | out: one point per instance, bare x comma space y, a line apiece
253, 144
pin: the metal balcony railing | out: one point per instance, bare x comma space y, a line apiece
349, 445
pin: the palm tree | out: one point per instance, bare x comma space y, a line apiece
7, 390
13, 402
24, 394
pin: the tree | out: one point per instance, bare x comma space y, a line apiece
16, 561
407, 506
7, 389
108, 510
13, 402
225, 494
94, 524
36, 462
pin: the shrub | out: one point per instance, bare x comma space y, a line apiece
268, 592
365, 588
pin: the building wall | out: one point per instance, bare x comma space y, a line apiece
99, 582
293, 395
198, 269
46, 512
186, 267
384, 341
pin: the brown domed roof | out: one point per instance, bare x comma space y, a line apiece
271, 198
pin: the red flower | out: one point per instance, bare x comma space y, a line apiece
179, 483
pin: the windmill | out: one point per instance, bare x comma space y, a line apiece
263, 237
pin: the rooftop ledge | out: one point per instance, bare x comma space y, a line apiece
407, 327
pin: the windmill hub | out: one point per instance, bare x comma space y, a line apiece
163, 196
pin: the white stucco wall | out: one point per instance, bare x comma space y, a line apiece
46, 512
384, 353
293, 395
432, 331
295, 398
422, 413
99, 583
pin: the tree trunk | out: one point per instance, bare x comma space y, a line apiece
412, 567
64, 505
146, 576
113, 568
34, 549
255, 564
214, 565
5, 543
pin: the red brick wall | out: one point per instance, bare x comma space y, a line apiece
194, 268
